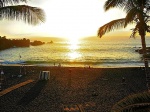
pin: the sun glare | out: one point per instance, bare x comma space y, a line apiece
73, 46
66, 19
72, 19
73, 55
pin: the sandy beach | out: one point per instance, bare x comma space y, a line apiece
76, 88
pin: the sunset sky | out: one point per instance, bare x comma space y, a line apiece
65, 18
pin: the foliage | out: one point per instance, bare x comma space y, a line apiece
10, 11
137, 12
134, 103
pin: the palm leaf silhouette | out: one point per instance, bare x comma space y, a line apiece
115, 24
134, 103
10, 11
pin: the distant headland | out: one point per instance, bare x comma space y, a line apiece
10, 43
37, 43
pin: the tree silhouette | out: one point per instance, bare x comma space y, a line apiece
133, 103
11, 11
137, 13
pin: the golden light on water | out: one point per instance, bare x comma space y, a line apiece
73, 44
73, 55
73, 47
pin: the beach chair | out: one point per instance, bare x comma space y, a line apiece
44, 75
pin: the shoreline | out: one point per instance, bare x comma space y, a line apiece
76, 64
81, 66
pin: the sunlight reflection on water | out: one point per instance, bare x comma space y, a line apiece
80, 52
73, 46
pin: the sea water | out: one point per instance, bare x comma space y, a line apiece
84, 52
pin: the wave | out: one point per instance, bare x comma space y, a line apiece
13, 62
88, 64
85, 63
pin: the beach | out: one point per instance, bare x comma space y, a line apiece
88, 89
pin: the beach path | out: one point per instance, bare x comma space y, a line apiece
14, 87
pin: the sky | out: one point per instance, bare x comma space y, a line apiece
65, 18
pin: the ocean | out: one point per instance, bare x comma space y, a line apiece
79, 53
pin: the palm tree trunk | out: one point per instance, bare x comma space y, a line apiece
145, 60
144, 49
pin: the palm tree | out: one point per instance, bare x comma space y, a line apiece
137, 12
11, 11
133, 103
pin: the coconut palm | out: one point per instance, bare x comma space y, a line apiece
11, 11
137, 13
133, 103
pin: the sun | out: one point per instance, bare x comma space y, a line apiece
71, 19
66, 19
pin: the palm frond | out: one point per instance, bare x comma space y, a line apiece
131, 15
113, 3
13, 1
134, 102
4, 3
129, 5
148, 28
115, 24
148, 6
28, 14
126, 5
134, 32
148, 11
136, 3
